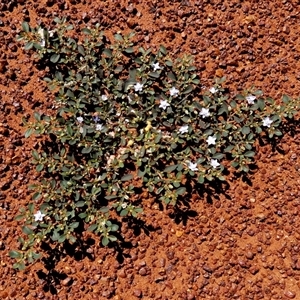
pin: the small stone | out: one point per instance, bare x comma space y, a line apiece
290, 294
137, 293
249, 255
67, 281
143, 271
122, 273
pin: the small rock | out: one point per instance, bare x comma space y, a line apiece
143, 271
137, 293
290, 294
67, 281
122, 273
249, 255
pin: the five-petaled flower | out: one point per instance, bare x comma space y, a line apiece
104, 97
79, 119
214, 163
164, 104
192, 166
155, 66
184, 129
211, 140
174, 91
213, 90
38, 216
204, 112
138, 87
267, 122
99, 127
250, 99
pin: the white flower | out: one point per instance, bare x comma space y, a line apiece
155, 66
192, 167
184, 129
211, 140
250, 99
204, 112
80, 119
99, 127
164, 104
138, 87
214, 163
38, 216
104, 97
124, 205
42, 35
174, 91
267, 122
213, 90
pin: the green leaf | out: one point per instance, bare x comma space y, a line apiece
62, 238
36, 196
105, 241
181, 190
129, 50
154, 74
249, 154
286, 99
118, 37
124, 213
37, 116
170, 169
162, 50
86, 150
81, 50
28, 46
245, 130
74, 225
54, 58
27, 230
39, 167
127, 177
25, 26
92, 227
188, 89
15, 254
114, 227
80, 204
86, 31
112, 238
218, 156
28, 132
107, 52
19, 265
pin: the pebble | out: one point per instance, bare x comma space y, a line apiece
66, 281
137, 293
290, 294
143, 271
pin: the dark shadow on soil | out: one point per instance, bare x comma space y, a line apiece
53, 278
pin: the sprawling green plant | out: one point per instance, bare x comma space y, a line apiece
126, 116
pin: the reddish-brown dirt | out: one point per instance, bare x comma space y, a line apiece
243, 244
